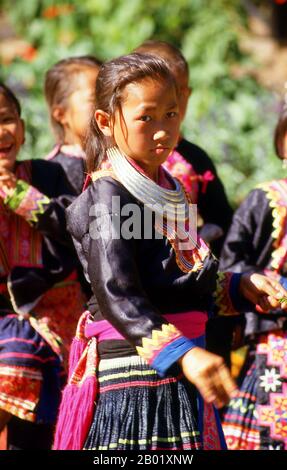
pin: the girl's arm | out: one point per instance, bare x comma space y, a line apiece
43, 210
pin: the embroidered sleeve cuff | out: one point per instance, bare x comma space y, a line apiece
27, 201
170, 354
164, 347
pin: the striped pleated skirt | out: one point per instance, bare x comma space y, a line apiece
136, 409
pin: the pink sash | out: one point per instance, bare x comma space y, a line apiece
191, 324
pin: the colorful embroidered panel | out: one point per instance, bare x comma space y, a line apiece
20, 390
57, 316
4, 240
222, 298
27, 202
20, 244
272, 415
276, 192
187, 260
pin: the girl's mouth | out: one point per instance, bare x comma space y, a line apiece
160, 150
5, 149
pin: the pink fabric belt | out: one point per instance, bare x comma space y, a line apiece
191, 324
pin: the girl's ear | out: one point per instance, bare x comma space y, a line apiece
58, 114
103, 121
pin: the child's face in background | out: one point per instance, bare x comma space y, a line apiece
147, 127
80, 105
285, 147
184, 91
11, 133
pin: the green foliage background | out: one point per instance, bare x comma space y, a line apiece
232, 119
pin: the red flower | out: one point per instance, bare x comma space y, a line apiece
29, 53
57, 10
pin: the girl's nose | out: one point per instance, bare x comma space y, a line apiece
2, 129
160, 135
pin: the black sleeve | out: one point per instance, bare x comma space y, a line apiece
248, 243
74, 169
50, 179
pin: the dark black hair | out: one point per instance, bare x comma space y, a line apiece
9, 95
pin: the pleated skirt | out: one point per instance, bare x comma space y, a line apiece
136, 409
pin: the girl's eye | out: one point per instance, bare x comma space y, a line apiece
171, 114
145, 118
8, 119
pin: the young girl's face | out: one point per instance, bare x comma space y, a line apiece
146, 128
11, 133
77, 113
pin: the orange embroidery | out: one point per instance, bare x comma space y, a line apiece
221, 295
160, 338
276, 192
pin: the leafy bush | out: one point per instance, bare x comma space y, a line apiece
232, 118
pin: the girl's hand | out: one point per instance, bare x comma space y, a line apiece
8, 182
263, 291
209, 374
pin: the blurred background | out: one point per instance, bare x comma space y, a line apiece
236, 50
